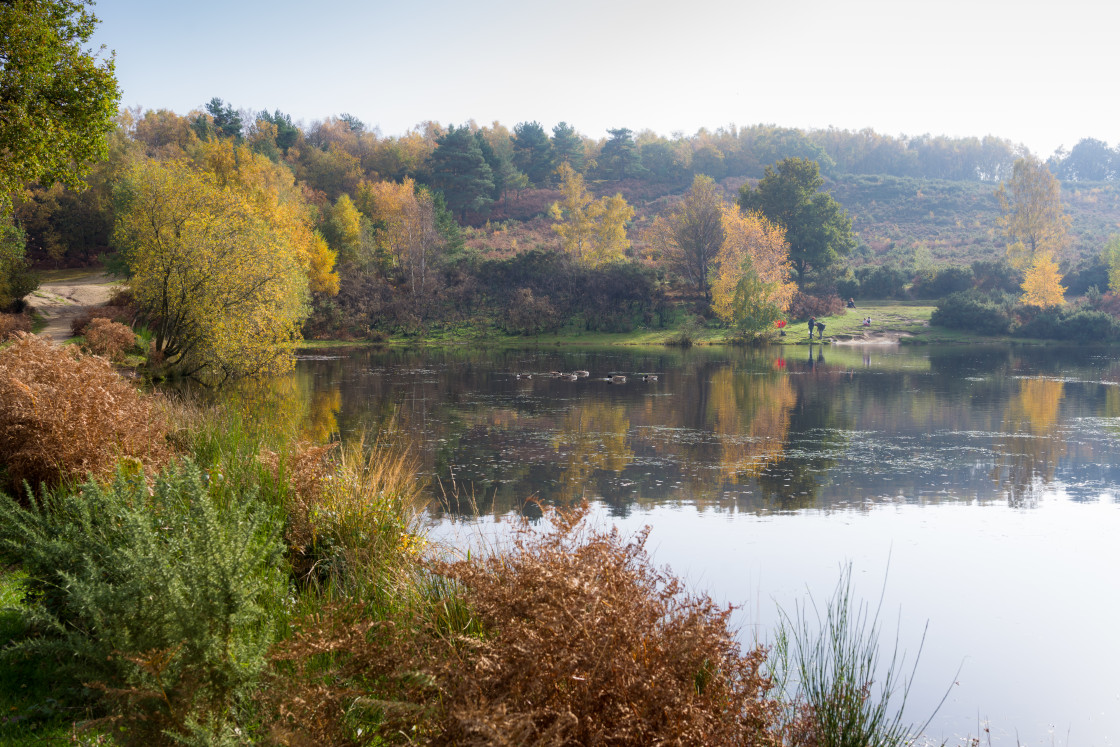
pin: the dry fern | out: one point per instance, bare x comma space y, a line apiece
65, 415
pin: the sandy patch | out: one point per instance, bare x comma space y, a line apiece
59, 302
871, 338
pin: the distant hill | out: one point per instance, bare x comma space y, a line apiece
958, 220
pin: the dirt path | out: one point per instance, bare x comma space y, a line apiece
59, 301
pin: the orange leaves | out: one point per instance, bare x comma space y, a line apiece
751, 274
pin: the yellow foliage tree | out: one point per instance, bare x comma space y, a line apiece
407, 234
223, 286
343, 229
1042, 285
276, 198
610, 215
592, 231
1033, 220
751, 274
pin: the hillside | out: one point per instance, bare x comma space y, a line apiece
958, 220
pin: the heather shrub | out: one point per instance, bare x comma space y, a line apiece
10, 324
109, 339
159, 598
65, 415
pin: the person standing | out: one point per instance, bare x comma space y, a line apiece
820, 330
812, 326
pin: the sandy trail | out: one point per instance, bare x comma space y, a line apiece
60, 301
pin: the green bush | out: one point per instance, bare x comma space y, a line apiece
944, 282
885, 281
160, 597
972, 312
1080, 326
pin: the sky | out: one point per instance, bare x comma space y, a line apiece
1038, 74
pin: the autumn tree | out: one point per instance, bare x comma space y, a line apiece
278, 199
407, 234
691, 234
1042, 284
222, 283
343, 229
751, 285
592, 231
818, 229
1033, 220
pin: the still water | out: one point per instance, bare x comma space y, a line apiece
975, 490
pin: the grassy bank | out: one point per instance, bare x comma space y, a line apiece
893, 321
226, 583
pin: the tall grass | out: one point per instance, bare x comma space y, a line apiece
838, 691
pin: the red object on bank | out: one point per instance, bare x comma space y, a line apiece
780, 323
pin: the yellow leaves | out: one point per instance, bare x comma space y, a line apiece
753, 250
321, 275
610, 215
344, 224
591, 231
221, 272
1042, 284
406, 231
1033, 220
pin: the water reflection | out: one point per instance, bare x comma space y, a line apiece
752, 430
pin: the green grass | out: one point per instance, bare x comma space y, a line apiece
31, 711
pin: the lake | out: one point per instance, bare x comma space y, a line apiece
973, 489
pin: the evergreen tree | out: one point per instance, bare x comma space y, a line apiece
227, 122
287, 134
567, 147
504, 173
818, 229
620, 157
532, 153
459, 170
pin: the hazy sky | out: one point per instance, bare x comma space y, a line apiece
1041, 74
